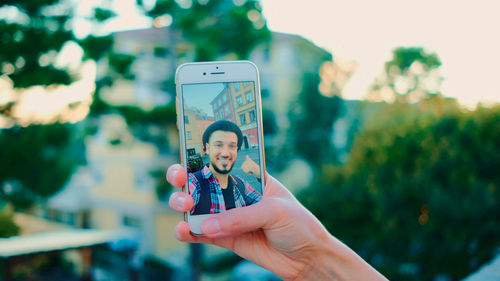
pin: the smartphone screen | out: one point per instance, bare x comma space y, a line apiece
223, 145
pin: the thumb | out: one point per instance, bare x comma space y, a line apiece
239, 220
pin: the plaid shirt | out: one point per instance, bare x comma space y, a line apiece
216, 198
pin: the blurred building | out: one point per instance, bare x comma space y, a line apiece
129, 200
124, 194
116, 190
283, 63
152, 71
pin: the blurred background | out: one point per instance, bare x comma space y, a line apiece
383, 119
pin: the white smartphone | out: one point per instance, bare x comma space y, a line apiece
220, 126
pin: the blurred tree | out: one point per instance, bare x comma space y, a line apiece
7, 226
317, 107
269, 122
37, 30
35, 162
418, 199
216, 28
213, 29
163, 188
410, 75
310, 135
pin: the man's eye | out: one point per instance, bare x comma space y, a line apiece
233, 147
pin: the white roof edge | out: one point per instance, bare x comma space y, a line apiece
57, 240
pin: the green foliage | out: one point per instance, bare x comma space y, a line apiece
157, 264
32, 40
160, 51
24, 43
139, 120
160, 8
30, 43
420, 198
103, 15
311, 135
163, 188
195, 163
7, 225
269, 124
35, 161
409, 76
163, 115
220, 263
404, 58
121, 64
216, 27
96, 47
156, 269
42, 76
99, 106
136, 116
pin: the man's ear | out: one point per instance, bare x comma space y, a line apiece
207, 149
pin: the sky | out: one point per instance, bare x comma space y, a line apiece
464, 34
200, 95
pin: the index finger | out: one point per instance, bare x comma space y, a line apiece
176, 175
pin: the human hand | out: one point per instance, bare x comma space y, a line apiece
250, 167
277, 233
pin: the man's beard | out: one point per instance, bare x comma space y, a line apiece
222, 172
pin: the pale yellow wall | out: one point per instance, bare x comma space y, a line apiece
104, 219
29, 224
122, 92
118, 172
165, 237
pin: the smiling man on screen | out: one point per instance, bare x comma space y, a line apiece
213, 188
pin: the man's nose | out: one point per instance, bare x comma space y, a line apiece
225, 151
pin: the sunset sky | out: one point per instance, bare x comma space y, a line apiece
464, 34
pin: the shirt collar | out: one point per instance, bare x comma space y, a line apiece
206, 172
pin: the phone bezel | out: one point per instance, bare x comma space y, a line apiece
216, 72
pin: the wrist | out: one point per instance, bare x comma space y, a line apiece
324, 261
335, 261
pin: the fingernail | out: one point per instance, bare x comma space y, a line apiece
177, 233
210, 227
171, 174
179, 202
